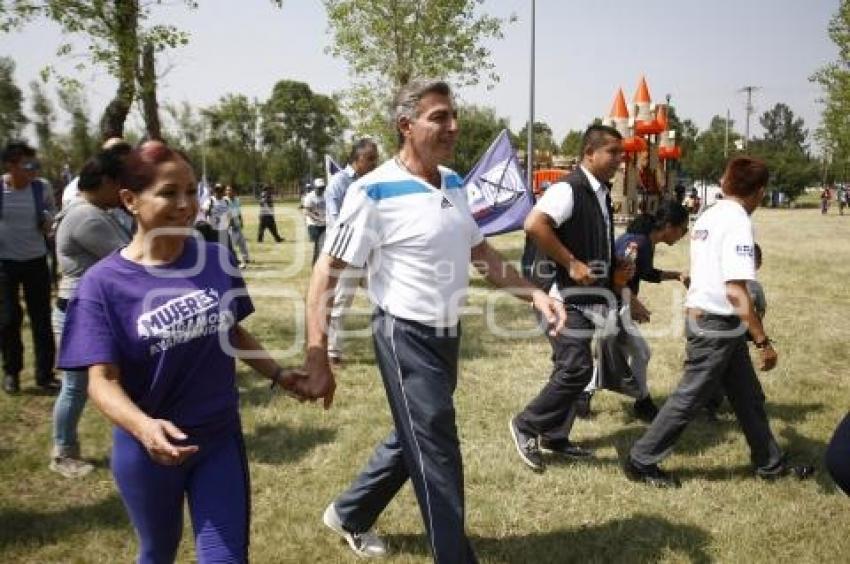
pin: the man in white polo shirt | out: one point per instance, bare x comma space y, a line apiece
361, 161
409, 222
720, 312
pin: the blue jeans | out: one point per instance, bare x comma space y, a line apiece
69, 403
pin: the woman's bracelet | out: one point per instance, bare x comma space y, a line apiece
275, 377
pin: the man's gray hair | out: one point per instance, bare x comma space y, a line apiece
407, 99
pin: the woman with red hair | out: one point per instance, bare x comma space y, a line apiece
157, 326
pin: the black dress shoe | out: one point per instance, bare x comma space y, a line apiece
645, 409
800, 471
11, 384
565, 448
527, 447
51, 386
650, 475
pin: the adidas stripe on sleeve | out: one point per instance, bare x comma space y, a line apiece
355, 233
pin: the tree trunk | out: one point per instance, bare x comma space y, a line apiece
125, 38
147, 82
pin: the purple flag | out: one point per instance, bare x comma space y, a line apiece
496, 190
331, 168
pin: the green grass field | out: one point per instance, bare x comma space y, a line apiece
302, 456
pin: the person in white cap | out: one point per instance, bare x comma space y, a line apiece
313, 205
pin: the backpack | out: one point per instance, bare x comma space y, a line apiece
37, 195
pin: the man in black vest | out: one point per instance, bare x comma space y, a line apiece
572, 224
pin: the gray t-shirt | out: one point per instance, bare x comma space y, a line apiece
85, 235
20, 236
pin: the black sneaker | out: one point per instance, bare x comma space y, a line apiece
565, 448
11, 384
645, 409
650, 475
800, 471
527, 447
582, 405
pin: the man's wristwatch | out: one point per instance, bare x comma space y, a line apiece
764, 343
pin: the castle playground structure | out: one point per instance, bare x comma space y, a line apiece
649, 170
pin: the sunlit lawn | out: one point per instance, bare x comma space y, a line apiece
587, 512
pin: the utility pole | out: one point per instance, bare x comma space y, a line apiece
749, 90
726, 136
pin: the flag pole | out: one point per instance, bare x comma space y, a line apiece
530, 129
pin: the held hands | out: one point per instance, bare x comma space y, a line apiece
552, 310
319, 381
289, 380
156, 434
685, 278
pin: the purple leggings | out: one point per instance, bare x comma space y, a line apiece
215, 481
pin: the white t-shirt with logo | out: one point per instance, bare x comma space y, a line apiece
415, 240
722, 250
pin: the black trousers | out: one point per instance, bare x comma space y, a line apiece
838, 455
317, 236
418, 365
572, 369
268, 222
713, 358
34, 276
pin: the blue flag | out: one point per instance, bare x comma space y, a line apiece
331, 168
495, 188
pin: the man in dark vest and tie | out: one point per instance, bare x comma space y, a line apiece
572, 224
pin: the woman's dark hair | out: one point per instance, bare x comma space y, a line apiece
139, 170
669, 212
108, 163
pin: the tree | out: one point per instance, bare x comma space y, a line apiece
686, 132
782, 129
478, 129
387, 42
571, 145
784, 150
295, 117
118, 39
544, 140
82, 146
12, 118
52, 157
235, 148
834, 78
707, 160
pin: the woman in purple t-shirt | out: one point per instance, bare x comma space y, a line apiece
156, 324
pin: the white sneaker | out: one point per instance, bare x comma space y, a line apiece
366, 545
70, 467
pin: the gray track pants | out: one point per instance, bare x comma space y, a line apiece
419, 367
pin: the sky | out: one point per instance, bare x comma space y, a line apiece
701, 52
